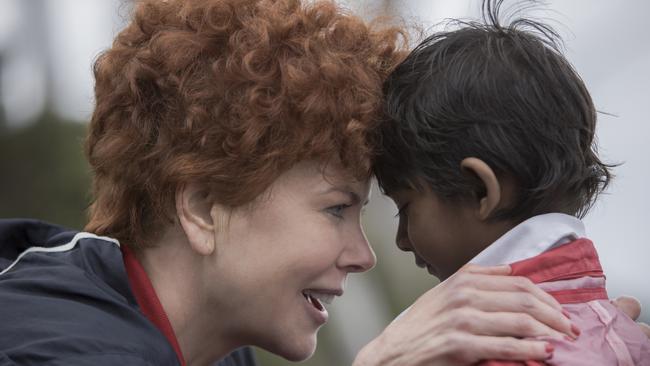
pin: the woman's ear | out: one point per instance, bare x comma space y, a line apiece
193, 208
492, 198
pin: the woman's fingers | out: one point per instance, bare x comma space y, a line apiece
507, 294
501, 283
628, 305
468, 349
508, 348
632, 307
502, 324
532, 314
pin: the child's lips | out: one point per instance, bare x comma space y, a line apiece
423, 264
420, 262
431, 271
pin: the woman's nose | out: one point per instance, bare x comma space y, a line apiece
358, 256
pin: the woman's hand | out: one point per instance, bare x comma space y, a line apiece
476, 314
632, 307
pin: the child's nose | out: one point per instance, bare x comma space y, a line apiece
403, 242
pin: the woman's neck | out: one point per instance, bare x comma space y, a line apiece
174, 270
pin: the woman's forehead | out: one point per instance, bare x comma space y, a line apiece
319, 178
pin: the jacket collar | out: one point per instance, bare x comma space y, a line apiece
531, 238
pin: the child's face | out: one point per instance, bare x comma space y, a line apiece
442, 235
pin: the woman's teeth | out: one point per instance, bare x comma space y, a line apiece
317, 299
326, 298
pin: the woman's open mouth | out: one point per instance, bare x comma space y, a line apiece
313, 301
316, 299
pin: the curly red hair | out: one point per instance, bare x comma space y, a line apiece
229, 94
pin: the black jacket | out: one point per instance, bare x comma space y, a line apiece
65, 299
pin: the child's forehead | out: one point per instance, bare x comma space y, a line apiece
403, 194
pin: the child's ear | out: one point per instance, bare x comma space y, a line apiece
492, 198
194, 210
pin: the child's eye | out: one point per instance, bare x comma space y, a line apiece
401, 212
337, 210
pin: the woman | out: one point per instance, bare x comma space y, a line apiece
231, 162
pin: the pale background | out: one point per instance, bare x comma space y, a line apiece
47, 47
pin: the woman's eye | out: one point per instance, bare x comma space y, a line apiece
337, 210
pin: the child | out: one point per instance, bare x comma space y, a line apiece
489, 154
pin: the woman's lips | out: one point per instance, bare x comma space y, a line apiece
315, 298
315, 309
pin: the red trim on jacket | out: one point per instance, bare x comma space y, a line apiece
148, 301
572, 260
581, 295
569, 261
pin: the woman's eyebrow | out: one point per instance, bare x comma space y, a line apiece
347, 190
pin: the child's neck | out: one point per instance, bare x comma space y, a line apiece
530, 238
483, 234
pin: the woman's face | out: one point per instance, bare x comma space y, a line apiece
281, 258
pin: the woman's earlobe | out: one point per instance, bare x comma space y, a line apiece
194, 212
488, 202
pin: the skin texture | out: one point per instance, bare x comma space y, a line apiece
253, 263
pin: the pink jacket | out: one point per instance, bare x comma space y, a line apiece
573, 275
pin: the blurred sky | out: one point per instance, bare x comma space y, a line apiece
47, 48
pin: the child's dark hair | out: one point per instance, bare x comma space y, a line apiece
503, 94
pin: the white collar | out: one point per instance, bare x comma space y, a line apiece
530, 238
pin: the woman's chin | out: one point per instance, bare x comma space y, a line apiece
297, 351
